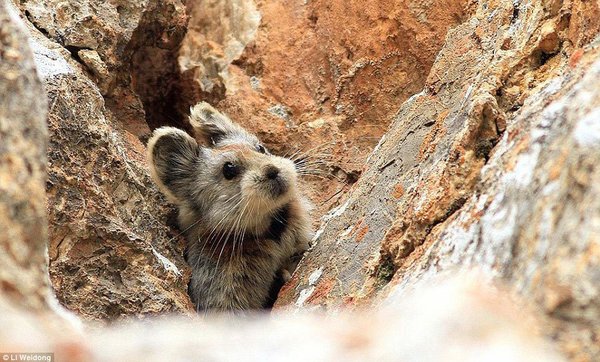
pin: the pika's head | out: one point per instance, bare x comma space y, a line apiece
227, 179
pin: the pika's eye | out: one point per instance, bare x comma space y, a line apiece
261, 149
230, 170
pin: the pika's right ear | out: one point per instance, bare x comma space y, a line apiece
213, 126
172, 157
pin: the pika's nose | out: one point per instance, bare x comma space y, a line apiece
271, 172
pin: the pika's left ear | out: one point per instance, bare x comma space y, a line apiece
174, 158
214, 127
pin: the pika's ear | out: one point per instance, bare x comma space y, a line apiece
173, 156
214, 127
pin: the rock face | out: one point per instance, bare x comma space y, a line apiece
413, 328
323, 78
125, 47
493, 166
490, 164
111, 72
111, 251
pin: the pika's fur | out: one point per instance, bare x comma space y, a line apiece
244, 219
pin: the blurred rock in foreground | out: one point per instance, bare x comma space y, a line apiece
24, 279
456, 320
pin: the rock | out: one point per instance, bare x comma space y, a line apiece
101, 201
23, 135
92, 60
106, 250
111, 251
415, 328
277, 66
489, 165
124, 47
24, 283
519, 204
217, 35
549, 40
474, 323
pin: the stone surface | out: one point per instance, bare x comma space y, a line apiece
414, 328
111, 253
125, 47
492, 166
24, 283
106, 220
318, 78
111, 250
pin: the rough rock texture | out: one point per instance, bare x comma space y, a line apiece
350, 337
493, 166
111, 72
24, 283
414, 328
124, 46
111, 251
107, 70
316, 77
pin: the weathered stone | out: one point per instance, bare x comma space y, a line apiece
496, 166
473, 323
92, 60
102, 249
111, 251
492, 166
24, 283
126, 49
347, 63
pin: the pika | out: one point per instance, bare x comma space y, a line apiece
240, 208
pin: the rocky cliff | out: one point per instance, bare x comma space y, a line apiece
492, 166
489, 166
